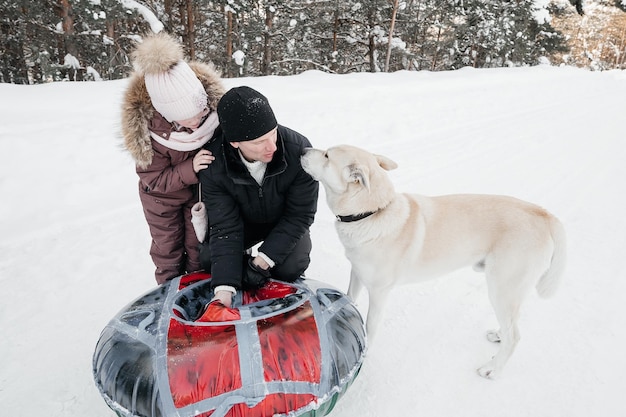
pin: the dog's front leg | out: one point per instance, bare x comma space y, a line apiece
377, 300
355, 287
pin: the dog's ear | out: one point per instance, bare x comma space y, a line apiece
359, 173
385, 163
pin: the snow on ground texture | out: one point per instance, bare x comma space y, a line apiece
74, 244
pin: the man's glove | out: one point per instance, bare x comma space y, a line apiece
253, 276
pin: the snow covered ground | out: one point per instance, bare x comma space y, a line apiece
74, 244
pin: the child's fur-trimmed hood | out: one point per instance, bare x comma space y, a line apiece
157, 53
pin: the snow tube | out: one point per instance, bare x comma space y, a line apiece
283, 350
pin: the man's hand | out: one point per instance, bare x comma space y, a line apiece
254, 275
261, 263
223, 296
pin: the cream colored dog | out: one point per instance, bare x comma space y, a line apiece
392, 238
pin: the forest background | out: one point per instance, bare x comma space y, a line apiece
55, 40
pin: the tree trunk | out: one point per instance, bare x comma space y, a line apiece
190, 30
67, 24
167, 9
371, 43
619, 57
335, 30
12, 59
69, 42
267, 45
436, 51
229, 42
393, 24
117, 55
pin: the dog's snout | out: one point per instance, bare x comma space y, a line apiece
303, 158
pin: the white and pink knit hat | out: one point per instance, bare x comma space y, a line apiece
176, 93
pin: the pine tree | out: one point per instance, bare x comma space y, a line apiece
494, 33
66, 39
85, 39
12, 60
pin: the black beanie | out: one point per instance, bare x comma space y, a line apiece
245, 114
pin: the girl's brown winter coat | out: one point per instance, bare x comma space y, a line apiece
166, 176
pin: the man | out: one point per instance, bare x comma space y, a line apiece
256, 191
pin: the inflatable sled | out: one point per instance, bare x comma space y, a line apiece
283, 350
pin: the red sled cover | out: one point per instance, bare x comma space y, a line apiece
285, 349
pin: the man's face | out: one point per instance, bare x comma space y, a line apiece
260, 149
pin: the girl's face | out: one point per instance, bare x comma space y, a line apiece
195, 121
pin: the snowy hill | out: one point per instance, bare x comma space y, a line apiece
74, 243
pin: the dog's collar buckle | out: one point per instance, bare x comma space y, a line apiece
354, 217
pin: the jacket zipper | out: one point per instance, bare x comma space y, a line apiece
261, 203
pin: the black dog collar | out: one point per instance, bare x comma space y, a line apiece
354, 217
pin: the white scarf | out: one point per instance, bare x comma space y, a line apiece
256, 168
183, 141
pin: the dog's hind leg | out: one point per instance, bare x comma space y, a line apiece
507, 290
511, 276
507, 313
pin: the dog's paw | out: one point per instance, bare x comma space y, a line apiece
487, 371
479, 267
494, 336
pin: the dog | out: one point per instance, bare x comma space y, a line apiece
395, 238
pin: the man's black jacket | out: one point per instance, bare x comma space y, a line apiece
242, 213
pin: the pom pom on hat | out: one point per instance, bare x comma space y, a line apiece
174, 89
245, 114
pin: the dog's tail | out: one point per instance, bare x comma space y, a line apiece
549, 282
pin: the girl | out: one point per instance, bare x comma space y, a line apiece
168, 114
